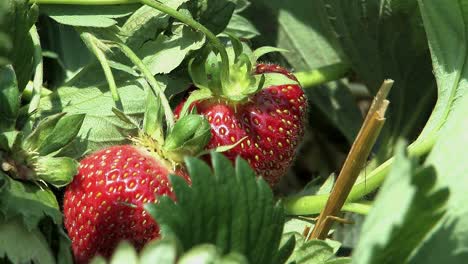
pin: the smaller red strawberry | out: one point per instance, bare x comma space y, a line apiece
262, 107
104, 203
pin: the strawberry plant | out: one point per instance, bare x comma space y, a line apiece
233, 131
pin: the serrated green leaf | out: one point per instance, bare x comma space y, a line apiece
394, 45
166, 250
450, 68
71, 53
27, 201
301, 27
316, 252
222, 209
408, 196
166, 53
21, 245
64, 132
9, 98
87, 94
213, 14
87, 16
57, 171
145, 23
449, 239
240, 27
337, 104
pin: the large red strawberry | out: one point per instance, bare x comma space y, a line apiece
104, 203
261, 107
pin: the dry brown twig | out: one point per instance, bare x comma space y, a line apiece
355, 160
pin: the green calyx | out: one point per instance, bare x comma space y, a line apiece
188, 136
242, 82
34, 157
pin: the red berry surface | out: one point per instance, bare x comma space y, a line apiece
271, 122
104, 203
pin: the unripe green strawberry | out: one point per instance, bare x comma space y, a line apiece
104, 203
269, 124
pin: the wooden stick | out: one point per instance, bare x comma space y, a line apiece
355, 160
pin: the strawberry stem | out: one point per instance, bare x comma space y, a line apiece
313, 204
322, 75
90, 41
152, 81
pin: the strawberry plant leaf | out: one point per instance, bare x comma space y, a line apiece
87, 16
22, 245
336, 102
389, 35
227, 207
240, 27
449, 239
301, 27
420, 200
9, 98
28, 201
100, 126
213, 14
450, 69
70, 53
166, 53
314, 252
146, 23
167, 251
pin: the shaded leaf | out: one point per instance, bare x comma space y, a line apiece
9, 97
23, 245
87, 15
18, 19
213, 14
336, 102
448, 241
240, 27
27, 201
166, 53
390, 37
407, 208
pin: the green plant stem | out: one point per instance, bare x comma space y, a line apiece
38, 73
314, 204
322, 75
89, 39
358, 208
197, 26
84, 2
152, 81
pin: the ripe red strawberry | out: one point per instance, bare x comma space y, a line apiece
269, 123
104, 203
